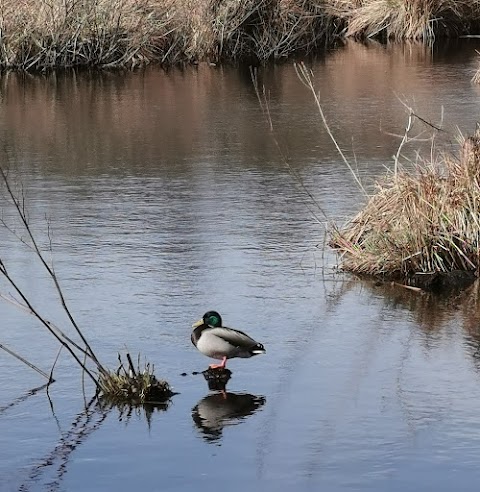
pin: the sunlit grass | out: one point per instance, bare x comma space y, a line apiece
425, 220
422, 20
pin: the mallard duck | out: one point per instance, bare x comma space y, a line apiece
219, 342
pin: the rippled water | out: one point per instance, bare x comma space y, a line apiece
166, 197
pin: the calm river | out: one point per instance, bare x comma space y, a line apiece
166, 196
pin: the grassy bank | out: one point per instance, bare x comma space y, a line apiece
424, 221
43, 34
423, 20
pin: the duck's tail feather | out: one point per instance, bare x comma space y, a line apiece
257, 349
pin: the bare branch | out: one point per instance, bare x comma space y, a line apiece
26, 362
22, 214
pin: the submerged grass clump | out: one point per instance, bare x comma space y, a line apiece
424, 221
133, 386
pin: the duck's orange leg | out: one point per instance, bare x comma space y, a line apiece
219, 366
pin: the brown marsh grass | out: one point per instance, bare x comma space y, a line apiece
270, 29
45, 34
422, 20
421, 221
40, 34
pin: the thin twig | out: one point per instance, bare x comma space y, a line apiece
23, 217
263, 102
130, 364
305, 76
43, 321
53, 367
26, 309
25, 361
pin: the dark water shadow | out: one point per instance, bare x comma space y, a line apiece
22, 398
216, 411
434, 313
125, 411
48, 472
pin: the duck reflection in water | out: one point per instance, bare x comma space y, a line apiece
218, 410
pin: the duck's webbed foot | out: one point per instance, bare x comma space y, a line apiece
219, 366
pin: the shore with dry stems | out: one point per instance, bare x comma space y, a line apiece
421, 222
48, 34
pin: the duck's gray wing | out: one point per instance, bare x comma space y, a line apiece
235, 337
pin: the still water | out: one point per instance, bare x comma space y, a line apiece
166, 196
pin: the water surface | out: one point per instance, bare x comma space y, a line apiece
167, 196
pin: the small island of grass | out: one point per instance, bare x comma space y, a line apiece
419, 226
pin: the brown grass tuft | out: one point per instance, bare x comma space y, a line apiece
270, 29
41, 34
408, 19
418, 222
133, 386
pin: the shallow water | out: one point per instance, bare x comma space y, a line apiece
167, 196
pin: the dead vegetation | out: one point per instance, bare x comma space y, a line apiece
421, 20
476, 77
270, 29
39, 35
423, 221
131, 385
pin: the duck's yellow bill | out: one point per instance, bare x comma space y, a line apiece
197, 323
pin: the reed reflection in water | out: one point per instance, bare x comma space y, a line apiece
166, 195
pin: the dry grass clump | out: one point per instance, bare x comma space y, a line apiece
41, 34
133, 385
419, 222
269, 29
408, 19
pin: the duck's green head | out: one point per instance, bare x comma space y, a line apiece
210, 318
